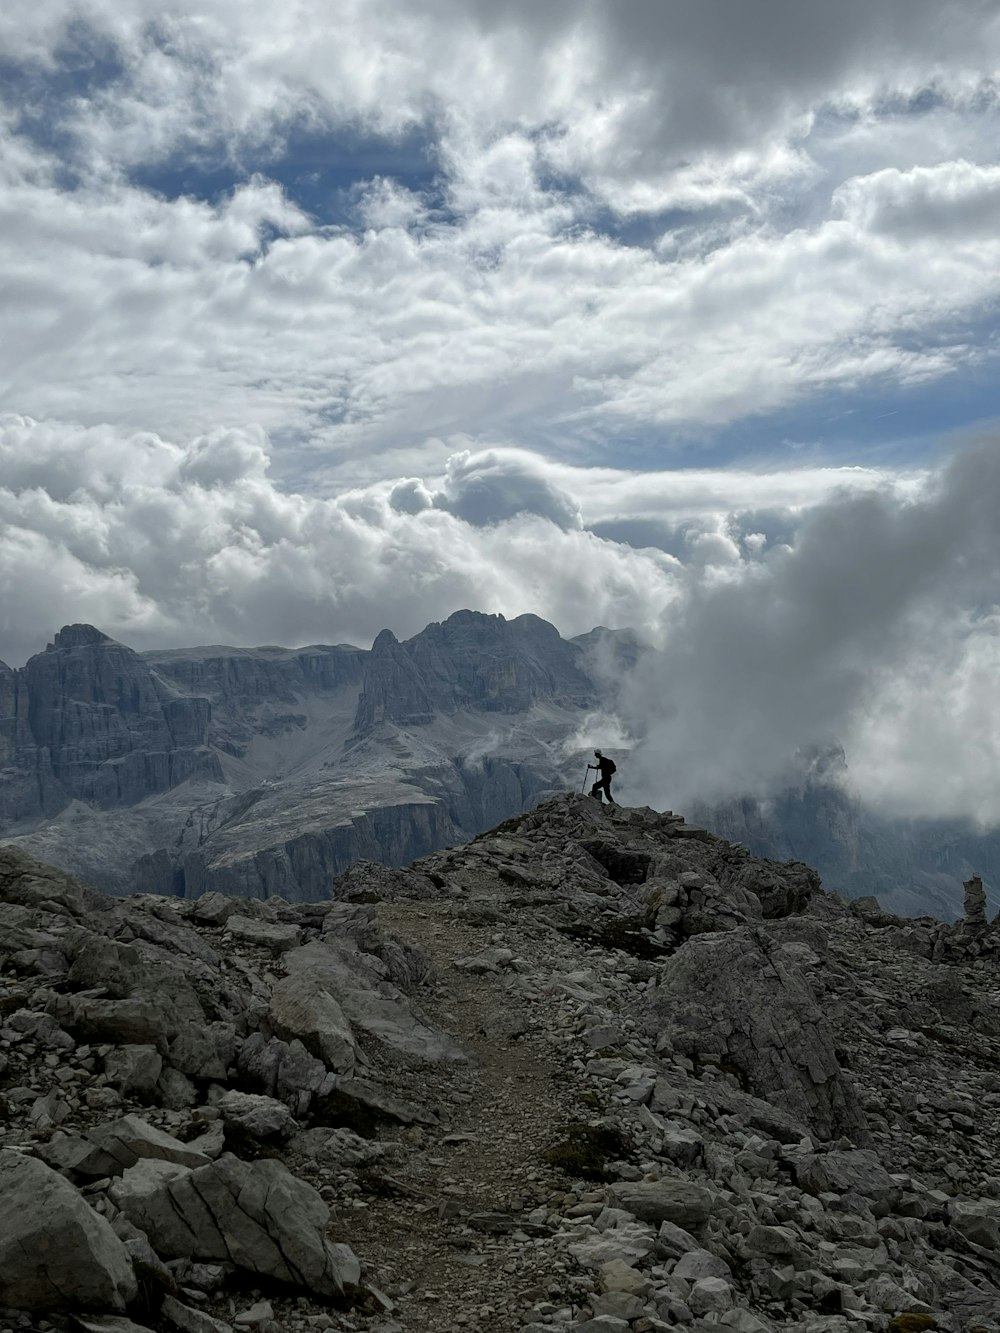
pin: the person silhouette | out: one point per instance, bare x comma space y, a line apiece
607, 768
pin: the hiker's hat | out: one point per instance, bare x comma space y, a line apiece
598, 753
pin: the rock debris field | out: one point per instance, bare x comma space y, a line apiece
597, 1070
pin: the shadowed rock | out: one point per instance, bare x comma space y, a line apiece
56, 1253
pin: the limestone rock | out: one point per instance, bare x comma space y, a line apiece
253, 1214
370, 1004
681, 1202
271, 935
259, 1116
191, 1321
856, 1171
204, 1052
105, 1323
124, 1142
56, 1253
134, 1069
301, 1008
739, 996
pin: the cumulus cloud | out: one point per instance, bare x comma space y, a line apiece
164, 543
498, 301
491, 487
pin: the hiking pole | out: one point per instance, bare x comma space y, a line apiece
585, 780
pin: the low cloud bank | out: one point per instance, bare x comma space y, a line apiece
879, 629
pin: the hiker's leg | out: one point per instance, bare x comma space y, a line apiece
596, 790
607, 791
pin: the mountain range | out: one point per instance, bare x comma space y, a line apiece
267, 771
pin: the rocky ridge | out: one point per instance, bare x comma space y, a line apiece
596, 1070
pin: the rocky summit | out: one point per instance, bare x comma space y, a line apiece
596, 1070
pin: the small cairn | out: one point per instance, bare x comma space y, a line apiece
975, 902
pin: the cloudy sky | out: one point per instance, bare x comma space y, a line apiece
329, 315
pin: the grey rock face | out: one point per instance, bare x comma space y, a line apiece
738, 999
472, 661
93, 722
253, 1214
88, 720
301, 1007
685, 1205
55, 1252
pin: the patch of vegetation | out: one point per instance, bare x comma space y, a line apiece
592, 1101
914, 1323
586, 1150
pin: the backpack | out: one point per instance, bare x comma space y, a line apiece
610, 767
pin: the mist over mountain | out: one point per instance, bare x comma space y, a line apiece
267, 771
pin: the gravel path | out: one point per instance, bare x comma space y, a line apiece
457, 1242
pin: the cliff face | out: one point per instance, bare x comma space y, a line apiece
471, 661
255, 690
88, 720
268, 770
300, 761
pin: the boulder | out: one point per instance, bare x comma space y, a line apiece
711, 1295
105, 1323
256, 1215
285, 1069
738, 998
371, 1003
854, 1171
267, 934
301, 1007
204, 1052
191, 1321
56, 1253
124, 1142
259, 1116
678, 1201
697, 1264
978, 1221
134, 1069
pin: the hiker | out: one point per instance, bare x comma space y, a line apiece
606, 767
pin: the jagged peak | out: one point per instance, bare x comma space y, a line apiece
384, 641
78, 636
467, 616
